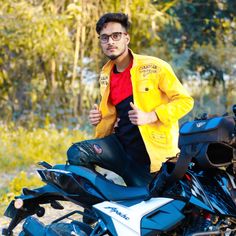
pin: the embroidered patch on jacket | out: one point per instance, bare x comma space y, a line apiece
104, 80
148, 69
97, 148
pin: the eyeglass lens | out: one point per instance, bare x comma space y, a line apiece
116, 36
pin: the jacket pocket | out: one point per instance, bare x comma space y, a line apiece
158, 137
145, 86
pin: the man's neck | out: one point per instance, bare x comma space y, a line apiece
123, 61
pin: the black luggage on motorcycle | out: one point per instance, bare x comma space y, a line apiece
212, 138
217, 129
214, 155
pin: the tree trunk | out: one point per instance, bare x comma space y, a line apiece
76, 57
81, 89
53, 75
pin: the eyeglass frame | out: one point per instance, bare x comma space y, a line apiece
111, 35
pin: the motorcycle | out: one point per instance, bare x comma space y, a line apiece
194, 196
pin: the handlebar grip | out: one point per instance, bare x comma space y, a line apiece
234, 109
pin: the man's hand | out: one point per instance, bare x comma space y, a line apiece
138, 117
95, 115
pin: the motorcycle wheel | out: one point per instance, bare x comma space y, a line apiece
58, 229
73, 228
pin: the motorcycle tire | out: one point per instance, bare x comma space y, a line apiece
73, 228
33, 227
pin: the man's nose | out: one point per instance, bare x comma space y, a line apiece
110, 40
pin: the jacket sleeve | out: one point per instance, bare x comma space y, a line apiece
180, 102
106, 125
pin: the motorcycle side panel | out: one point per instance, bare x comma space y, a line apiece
163, 219
219, 195
127, 220
210, 191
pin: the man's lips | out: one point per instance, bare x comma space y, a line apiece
110, 48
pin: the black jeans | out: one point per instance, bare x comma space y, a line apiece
108, 153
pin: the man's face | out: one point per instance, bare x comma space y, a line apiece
114, 40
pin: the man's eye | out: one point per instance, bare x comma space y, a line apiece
104, 37
115, 35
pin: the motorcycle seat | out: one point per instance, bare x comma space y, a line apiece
110, 190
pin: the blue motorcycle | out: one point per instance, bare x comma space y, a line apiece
193, 195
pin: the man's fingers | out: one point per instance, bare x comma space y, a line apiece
95, 120
95, 106
132, 112
134, 122
133, 106
133, 116
94, 113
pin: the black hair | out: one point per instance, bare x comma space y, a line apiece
113, 17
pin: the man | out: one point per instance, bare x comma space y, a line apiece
137, 119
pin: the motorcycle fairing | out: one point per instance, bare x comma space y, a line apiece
209, 190
193, 193
217, 191
80, 184
163, 218
77, 184
73, 187
128, 219
105, 187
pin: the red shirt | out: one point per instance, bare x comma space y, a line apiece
120, 85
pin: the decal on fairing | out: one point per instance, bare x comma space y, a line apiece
198, 193
59, 171
115, 210
128, 219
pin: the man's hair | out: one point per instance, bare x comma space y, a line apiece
113, 17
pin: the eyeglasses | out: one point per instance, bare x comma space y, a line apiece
116, 36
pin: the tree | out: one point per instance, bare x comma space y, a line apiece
43, 67
202, 39
30, 56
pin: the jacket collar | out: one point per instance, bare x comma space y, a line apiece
109, 65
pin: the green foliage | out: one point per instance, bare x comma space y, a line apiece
50, 57
32, 44
206, 31
49, 51
21, 149
21, 181
201, 22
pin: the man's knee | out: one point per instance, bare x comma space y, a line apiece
73, 154
81, 154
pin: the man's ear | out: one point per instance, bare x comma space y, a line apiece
128, 38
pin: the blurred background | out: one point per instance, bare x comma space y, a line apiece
50, 61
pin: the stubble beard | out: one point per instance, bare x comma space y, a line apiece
114, 57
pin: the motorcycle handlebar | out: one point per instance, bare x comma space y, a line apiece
234, 109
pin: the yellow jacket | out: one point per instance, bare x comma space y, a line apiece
155, 88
